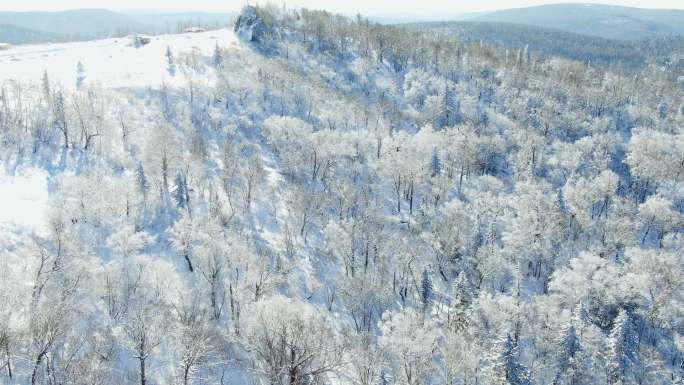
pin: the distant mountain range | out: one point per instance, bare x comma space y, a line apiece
607, 21
85, 22
37, 27
406, 18
603, 21
18, 35
172, 22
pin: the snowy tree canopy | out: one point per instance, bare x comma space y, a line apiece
311, 199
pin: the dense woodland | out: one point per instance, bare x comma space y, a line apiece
342, 202
618, 55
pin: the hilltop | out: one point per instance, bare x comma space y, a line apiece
88, 24
607, 21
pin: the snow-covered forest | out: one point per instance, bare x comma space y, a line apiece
321, 200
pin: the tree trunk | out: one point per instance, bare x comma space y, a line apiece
411, 199
8, 362
186, 373
39, 359
213, 299
186, 255
143, 379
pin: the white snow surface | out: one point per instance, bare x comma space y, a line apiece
111, 63
23, 200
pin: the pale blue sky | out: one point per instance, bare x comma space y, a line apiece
418, 7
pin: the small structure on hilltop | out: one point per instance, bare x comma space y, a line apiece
249, 26
140, 40
195, 30
5, 46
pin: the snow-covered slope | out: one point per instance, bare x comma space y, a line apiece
112, 62
23, 199
341, 203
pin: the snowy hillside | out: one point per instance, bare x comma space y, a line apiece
110, 63
315, 200
607, 21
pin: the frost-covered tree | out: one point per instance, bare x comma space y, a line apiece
196, 342
450, 108
435, 164
170, 62
623, 350
460, 303
292, 342
288, 213
183, 237
505, 367
426, 290
656, 156
658, 217
47, 87
574, 365
217, 58
411, 340
180, 193
80, 75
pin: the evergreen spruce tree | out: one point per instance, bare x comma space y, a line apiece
384, 378
217, 59
170, 62
180, 193
80, 75
426, 290
623, 348
143, 185
451, 109
573, 363
462, 298
47, 89
435, 164
505, 367
569, 346
663, 110
60, 121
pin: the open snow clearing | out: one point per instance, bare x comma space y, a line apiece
115, 62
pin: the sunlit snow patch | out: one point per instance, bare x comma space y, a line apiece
114, 62
23, 199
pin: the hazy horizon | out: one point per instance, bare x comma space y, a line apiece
380, 7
